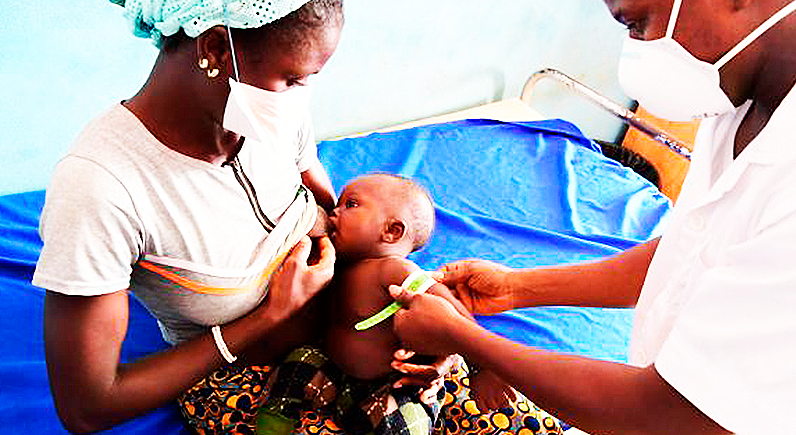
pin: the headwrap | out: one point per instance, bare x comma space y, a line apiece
156, 19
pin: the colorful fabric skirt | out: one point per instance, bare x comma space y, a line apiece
229, 400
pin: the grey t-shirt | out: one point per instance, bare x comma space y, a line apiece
125, 211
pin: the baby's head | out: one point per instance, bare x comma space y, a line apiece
379, 215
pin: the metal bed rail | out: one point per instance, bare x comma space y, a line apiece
620, 111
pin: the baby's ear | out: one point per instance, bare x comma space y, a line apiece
394, 231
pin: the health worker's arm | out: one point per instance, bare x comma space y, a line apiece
596, 396
83, 336
486, 288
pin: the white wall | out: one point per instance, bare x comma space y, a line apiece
64, 62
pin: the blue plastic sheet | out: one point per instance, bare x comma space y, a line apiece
523, 194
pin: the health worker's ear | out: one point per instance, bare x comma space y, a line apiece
213, 45
394, 231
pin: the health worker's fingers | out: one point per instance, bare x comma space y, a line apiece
454, 273
401, 295
438, 275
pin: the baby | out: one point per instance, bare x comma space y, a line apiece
379, 220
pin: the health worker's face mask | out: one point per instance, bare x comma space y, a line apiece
670, 82
272, 118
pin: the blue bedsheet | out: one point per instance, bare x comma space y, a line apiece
523, 194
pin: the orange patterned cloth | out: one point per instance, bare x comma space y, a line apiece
227, 402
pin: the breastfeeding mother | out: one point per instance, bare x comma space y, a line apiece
197, 195
202, 216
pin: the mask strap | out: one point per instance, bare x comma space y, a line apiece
769, 23
673, 18
231, 45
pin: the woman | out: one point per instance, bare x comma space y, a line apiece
161, 198
713, 344
191, 195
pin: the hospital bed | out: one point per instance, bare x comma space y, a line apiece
509, 186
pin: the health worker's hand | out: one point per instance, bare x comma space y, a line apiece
297, 280
426, 322
482, 286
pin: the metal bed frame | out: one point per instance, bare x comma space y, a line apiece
620, 111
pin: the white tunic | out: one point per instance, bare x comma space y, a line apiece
717, 314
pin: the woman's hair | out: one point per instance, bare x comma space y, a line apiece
315, 15
297, 28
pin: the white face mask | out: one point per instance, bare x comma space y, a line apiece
268, 117
272, 118
670, 82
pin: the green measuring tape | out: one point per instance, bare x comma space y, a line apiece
417, 282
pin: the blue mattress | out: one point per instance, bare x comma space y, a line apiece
522, 194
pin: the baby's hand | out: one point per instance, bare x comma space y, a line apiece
490, 392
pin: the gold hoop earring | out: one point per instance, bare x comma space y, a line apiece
204, 63
212, 73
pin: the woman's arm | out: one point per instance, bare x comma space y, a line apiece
317, 180
84, 334
596, 396
486, 288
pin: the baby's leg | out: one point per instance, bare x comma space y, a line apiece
304, 380
368, 407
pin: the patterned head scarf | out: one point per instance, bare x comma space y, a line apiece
156, 19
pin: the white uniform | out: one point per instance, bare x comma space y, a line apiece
717, 314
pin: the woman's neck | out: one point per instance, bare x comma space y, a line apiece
180, 114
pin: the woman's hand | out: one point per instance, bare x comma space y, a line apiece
482, 286
297, 280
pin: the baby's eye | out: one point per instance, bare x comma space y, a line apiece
350, 203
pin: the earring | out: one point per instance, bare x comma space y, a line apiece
203, 63
212, 73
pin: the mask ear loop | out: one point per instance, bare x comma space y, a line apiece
231, 45
769, 23
673, 18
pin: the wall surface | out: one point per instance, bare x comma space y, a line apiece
65, 62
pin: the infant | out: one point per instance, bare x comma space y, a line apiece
379, 220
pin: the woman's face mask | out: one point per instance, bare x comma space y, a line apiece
269, 117
266, 116
670, 82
